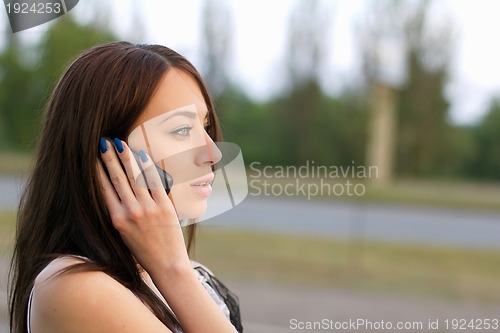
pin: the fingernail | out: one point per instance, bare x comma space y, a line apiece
103, 147
144, 157
119, 145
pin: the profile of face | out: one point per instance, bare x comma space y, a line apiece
172, 131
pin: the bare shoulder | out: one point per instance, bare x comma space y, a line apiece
86, 301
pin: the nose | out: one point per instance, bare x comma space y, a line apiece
210, 154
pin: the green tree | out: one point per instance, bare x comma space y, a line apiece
423, 129
424, 132
299, 112
251, 125
215, 45
17, 97
26, 80
63, 42
485, 161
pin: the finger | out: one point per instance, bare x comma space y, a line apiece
108, 191
117, 175
153, 179
133, 173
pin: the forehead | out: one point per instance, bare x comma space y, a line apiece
176, 89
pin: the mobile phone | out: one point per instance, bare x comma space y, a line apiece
165, 177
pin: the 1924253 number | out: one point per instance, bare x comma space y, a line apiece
36, 8
471, 324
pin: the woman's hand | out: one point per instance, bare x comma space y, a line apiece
149, 226
146, 221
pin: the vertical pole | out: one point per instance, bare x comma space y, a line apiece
380, 152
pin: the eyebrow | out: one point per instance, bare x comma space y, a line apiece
184, 113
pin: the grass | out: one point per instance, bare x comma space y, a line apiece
448, 273
15, 163
438, 193
7, 231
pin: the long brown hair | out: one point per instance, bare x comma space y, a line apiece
62, 211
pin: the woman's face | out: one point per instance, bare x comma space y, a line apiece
172, 130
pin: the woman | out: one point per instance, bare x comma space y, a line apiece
96, 250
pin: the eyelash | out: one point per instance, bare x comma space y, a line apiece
183, 131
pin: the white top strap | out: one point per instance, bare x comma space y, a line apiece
28, 317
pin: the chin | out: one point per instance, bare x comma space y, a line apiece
190, 206
194, 211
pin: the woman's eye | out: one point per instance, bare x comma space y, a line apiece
183, 131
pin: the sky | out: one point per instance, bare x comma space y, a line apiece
259, 29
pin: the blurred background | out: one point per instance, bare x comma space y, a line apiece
370, 131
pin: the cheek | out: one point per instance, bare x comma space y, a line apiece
183, 198
176, 157
179, 193
156, 142
188, 204
160, 146
182, 167
136, 140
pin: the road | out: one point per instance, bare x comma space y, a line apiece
343, 219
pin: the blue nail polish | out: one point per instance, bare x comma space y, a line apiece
119, 145
102, 145
144, 157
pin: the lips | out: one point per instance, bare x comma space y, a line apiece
203, 186
207, 180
